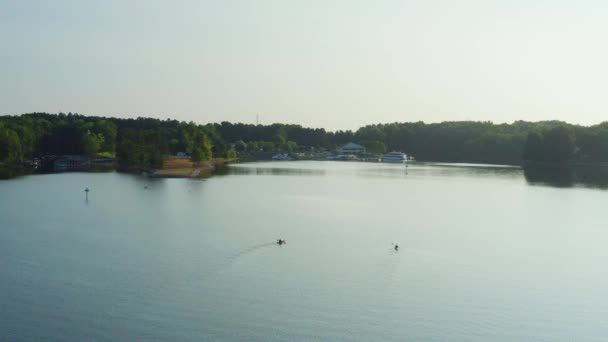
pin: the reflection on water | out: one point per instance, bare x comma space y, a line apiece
12, 172
475, 170
565, 177
374, 170
269, 169
593, 177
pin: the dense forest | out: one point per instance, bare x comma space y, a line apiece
145, 141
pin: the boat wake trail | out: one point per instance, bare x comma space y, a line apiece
389, 268
233, 258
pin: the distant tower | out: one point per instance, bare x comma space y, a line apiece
257, 119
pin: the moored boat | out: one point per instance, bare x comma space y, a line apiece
395, 157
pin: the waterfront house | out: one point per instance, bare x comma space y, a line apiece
351, 149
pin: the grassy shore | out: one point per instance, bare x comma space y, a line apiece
179, 167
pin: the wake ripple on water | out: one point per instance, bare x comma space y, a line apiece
233, 258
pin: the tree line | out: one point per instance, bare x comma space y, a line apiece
144, 142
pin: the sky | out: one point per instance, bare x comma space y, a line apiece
320, 63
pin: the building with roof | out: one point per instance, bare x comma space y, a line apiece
351, 148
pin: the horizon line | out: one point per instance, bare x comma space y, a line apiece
168, 118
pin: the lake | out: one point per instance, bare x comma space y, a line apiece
487, 253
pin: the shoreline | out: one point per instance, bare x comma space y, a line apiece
180, 169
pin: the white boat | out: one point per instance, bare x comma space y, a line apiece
395, 157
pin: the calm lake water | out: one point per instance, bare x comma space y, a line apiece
486, 254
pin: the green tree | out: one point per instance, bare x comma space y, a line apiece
10, 145
267, 146
290, 146
533, 148
199, 146
92, 142
108, 131
374, 146
231, 153
240, 146
558, 144
253, 146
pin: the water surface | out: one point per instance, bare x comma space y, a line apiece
485, 254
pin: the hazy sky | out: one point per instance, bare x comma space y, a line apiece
332, 64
